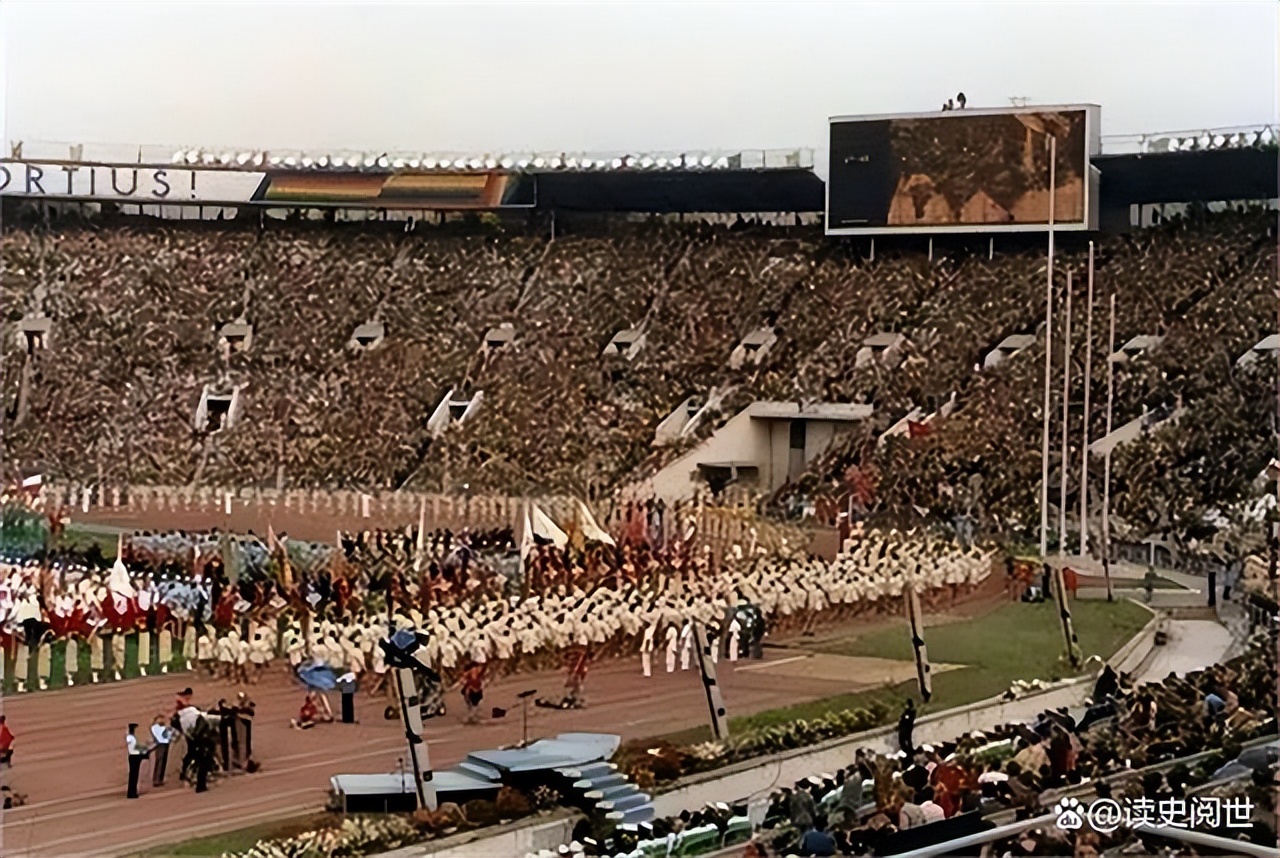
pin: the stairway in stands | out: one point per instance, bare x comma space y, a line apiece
601, 789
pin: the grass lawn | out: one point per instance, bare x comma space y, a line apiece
81, 536
242, 838
1015, 641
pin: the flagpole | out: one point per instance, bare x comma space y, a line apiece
1084, 443
1048, 360
1066, 401
1106, 462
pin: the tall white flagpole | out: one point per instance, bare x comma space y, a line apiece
1106, 462
1084, 442
1066, 401
1048, 359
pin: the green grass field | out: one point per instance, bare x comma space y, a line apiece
1015, 641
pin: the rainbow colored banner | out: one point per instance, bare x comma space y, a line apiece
443, 191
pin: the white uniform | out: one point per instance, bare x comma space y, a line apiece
646, 649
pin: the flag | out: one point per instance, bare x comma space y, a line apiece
33, 482
526, 533
545, 530
918, 429
591, 531
420, 546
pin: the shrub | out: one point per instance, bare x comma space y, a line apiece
512, 803
480, 812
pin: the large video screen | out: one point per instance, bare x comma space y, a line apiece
960, 171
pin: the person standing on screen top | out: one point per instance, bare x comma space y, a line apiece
136, 755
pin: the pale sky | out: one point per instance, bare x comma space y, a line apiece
605, 76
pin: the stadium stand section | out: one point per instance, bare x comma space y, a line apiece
136, 306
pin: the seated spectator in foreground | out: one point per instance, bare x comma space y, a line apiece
816, 841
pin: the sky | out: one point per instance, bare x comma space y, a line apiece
489, 77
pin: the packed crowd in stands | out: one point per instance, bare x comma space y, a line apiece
1128, 743
136, 309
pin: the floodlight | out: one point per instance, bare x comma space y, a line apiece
224, 158
507, 163
490, 164
414, 163
291, 161
306, 161
430, 163
208, 158
178, 157
398, 163
1219, 141
258, 159
662, 163
370, 161
243, 158
539, 163
706, 161
476, 164
616, 163
193, 156
629, 161
322, 161
274, 160
523, 164
721, 163
383, 162
646, 162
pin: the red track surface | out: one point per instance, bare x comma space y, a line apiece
70, 755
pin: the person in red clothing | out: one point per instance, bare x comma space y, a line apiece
6, 743
473, 691
308, 714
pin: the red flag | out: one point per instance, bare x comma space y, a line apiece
918, 430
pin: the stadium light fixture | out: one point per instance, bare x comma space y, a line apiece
475, 164
369, 162
539, 163
291, 162
178, 157
646, 162
224, 158
243, 158
507, 163
616, 163
490, 164
258, 159
414, 163
274, 160
398, 163
706, 161
208, 158
307, 162
193, 156
722, 163
430, 163
662, 163
523, 163
322, 161
383, 162
1219, 141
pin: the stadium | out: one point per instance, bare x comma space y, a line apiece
984, 379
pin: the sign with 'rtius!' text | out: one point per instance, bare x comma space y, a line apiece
132, 184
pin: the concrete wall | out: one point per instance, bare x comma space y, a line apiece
764, 442
742, 439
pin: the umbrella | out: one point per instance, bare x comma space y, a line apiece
318, 677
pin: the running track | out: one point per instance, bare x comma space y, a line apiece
70, 758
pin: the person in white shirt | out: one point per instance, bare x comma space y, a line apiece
162, 735
136, 755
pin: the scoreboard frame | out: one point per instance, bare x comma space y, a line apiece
1089, 174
